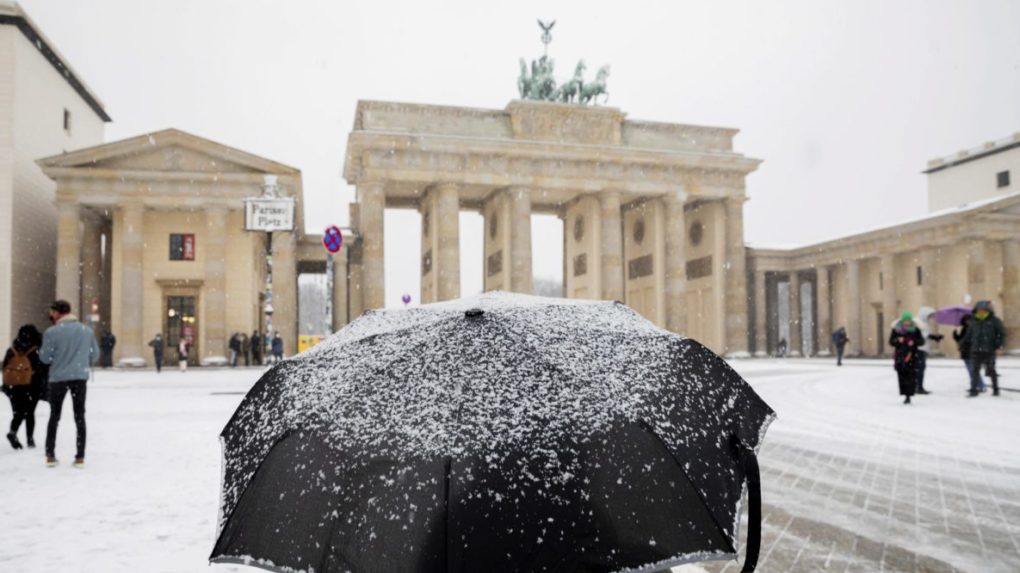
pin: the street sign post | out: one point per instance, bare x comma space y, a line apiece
332, 241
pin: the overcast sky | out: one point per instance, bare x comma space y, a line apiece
844, 101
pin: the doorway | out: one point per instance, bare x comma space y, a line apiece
181, 322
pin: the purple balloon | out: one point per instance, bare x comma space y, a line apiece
406, 298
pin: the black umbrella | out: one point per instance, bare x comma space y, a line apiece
497, 433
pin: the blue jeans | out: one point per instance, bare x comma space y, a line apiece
977, 384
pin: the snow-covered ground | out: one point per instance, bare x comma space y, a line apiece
852, 479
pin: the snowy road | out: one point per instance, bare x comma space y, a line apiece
853, 480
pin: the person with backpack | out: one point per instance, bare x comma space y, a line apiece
906, 338
24, 382
985, 337
839, 340
70, 348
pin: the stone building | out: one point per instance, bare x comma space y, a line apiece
45, 108
653, 212
653, 216
152, 239
967, 248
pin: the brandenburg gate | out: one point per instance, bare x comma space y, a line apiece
652, 212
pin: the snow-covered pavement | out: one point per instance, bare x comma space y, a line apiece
852, 479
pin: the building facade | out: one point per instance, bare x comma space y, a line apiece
967, 248
45, 109
653, 212
152, 239
653, 216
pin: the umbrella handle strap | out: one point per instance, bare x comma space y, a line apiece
753, 511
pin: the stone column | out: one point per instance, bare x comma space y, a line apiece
824, 304
355, 285
761, 328
372, 207
929, 297
795, 335
1011, 294
340, 292
285, 290
520, 240
447, 256
611, 246
130, 339
853, 313
214, 293
91, 270
69, 254
675, 263
736, 280
890, 303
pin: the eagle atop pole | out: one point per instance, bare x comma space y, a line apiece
546, 34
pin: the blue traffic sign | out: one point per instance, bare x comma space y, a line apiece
332, 239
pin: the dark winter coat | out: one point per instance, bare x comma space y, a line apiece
107, 342
278, 346
839, 338
907, 341
256, 344
961, 338
157, 345
234, 344
29, 340
985, 336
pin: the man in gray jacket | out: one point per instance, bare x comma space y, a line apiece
70, 348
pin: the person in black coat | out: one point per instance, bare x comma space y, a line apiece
977, 384
839, 340
25, 398
256, 348
106, 343
906, 338
157, 351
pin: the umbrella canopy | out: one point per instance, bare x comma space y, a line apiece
495, 433
951, 315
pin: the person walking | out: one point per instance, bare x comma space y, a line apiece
985, 336
182, 354
256, 347
69, 348
245, 348
157, 351
839, 340
235, 346
922, 352
906, 339
277, 348
976, 382
781, 348
106, 344
24, 382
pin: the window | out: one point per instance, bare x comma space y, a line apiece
1002, 179
67, 122
920, 276
182, 247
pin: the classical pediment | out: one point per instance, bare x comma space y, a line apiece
170, 150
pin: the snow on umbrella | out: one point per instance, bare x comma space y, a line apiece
951, 315
494, 433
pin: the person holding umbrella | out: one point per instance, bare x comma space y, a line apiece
976, 383
985, 336
906, 338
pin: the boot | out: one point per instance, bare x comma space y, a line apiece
906, 400
14, 441
31, 442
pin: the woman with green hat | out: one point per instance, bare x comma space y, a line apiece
906, 338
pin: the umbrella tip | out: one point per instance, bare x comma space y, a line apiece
474, 312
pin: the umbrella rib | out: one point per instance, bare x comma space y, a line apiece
722, 531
